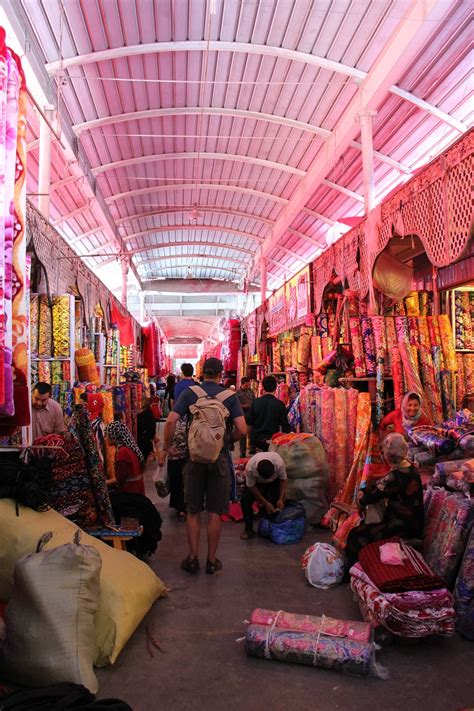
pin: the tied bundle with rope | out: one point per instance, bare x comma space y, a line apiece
26, 482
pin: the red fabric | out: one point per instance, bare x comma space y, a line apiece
124, 323
413, 574
150, 349
128, 472
21, 399
95, 405
395, 418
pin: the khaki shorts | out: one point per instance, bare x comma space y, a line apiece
207, 486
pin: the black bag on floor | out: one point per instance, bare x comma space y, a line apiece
140, 507
59, 697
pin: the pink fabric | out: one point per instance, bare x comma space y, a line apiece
391, 554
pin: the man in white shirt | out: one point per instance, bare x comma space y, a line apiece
47, 414
265, 482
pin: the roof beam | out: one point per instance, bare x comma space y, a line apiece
65, 181
216, 245
318, 216
188, 228
194, 267
197, 111
74, 213
200, 186
190, 255
84, 235
159, 157
321, 243
60, 65
343, 190
394, 59
180, 209
385, 159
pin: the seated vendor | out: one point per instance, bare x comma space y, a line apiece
401, 419
265, 482
128, 460
401, 491
46, 414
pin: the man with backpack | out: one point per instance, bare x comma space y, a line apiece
216, 419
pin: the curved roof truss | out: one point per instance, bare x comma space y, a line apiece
189, 256
159, 157
176, 209
187, 228
258, 49
200, 186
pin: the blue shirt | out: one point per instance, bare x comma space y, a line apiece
182, 385
212, 388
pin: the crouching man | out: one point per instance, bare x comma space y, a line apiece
265, 482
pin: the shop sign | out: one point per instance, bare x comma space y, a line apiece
298, 297
277, 311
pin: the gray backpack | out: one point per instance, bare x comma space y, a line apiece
206, 434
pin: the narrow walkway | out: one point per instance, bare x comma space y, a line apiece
203, 667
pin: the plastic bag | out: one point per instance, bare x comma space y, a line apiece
161, 478
323, 565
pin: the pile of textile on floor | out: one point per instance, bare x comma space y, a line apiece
457, 475
340, 645
405, 597
453, 438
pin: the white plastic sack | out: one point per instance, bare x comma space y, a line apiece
160, 478
323, 565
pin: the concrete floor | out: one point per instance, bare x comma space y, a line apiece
203, 667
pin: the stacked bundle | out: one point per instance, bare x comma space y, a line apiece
61, 326
457, 475
464, 315
406, 598
321, 642
464, 592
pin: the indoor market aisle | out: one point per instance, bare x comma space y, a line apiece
203, 667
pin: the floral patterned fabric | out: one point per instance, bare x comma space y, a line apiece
464, 592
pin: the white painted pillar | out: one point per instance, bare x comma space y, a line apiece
263, 278
141, 297
44, 169
125, 264
365, 118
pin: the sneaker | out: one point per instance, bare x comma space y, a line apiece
247, 535
191, 565
213, 567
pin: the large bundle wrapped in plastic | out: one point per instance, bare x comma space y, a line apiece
323, 565
303, 454
311, 493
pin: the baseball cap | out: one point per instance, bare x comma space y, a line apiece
212, 366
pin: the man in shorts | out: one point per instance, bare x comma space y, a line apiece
206, 486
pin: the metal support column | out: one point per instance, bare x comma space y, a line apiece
263, 279
44, 169
125, 264
365, 118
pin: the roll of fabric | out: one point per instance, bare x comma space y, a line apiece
413, 331
276, 356
437, 355
357, 348
337, 475
369, 346
397, 375
45, 332
352, 297
327, 425
447, 394
402, 328
286, 353
446, 333
391, 341
433, 327
423, 332
429, 384
468, 359
318, 414
352, 397
316, 352
379, 386
412, 306
44, 371
304, 349
460, 380
360, 631
86, 366
61, 326
34, 316
399, 308
459, 329
322, 326
424, 302
429, 438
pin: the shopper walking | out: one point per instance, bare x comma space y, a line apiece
186, 381
246, 396
265, 482
146, 429
266, 417
206, 486
169, 392
177, 460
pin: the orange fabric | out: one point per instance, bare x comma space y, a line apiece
395, 418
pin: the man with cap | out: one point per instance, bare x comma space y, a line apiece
206, 486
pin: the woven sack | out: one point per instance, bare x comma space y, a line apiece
49, 621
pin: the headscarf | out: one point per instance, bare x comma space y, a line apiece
410, 421
120, 433
394, 448
95, 405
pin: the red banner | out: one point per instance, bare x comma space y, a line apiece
277, 312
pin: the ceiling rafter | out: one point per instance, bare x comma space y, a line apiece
193, 267
233, 113
174, 209
188, 228
200, 243
189, 255
159, 157
242, 47
343, 190
200, 186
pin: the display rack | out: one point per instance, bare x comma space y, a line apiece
469, 289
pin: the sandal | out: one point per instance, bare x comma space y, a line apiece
190, 565
213, 567
247, 535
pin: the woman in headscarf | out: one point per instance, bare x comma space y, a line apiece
400, 493
128, 460
401, 419
146, 429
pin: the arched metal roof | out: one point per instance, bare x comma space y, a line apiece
248, 110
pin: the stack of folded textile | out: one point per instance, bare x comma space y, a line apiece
408, 599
